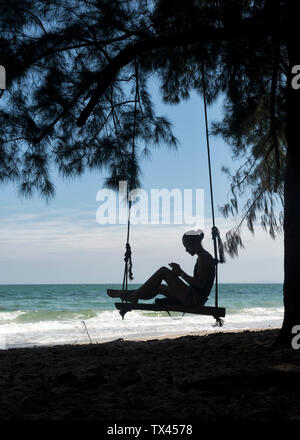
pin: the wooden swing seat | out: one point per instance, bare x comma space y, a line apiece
125, 307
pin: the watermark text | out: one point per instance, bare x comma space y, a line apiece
159, 206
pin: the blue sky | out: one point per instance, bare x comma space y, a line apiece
61, 242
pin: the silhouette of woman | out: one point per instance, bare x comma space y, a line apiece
180, 287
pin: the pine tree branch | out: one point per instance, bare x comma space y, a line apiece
199, 36
249, 209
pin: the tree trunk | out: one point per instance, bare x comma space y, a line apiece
291, 288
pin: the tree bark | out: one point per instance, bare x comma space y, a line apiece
291, 288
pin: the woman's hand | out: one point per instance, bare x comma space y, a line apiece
176, 268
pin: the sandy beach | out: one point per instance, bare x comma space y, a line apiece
232, 375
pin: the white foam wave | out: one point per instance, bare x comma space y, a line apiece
10, 316
108, 325
259, 311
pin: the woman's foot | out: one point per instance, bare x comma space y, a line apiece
114, 293
124, 295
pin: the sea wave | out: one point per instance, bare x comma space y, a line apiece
31, 316
257, 311
64, 327
35, 316
10, 315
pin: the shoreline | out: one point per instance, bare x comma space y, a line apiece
224, 374
142, 338
202, 333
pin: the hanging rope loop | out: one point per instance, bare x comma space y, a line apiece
128, 261
216, 237
128, 253
219, 322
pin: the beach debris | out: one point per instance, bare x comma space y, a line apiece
117, 340
87, 331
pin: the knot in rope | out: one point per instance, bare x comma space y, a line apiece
216, 236
219, 322
128, 260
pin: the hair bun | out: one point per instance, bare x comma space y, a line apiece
194, 232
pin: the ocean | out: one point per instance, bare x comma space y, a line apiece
35, 315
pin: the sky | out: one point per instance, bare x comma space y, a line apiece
62, 242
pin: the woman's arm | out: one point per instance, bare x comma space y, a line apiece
198, 282
190, 280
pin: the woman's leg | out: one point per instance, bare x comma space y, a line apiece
162, 289
176, 287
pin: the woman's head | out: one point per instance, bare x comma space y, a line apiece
192, 241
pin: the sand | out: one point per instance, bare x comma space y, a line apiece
224, 375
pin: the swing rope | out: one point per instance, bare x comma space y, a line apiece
217, 242
128, 253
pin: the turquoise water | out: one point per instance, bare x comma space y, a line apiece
54, 314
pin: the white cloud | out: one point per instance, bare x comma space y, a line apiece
69, 246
